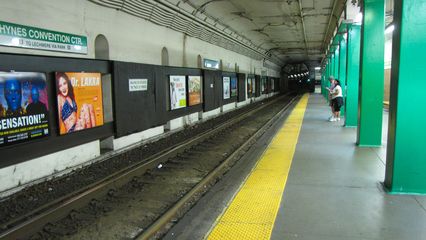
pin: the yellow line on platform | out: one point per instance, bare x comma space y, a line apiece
252, 212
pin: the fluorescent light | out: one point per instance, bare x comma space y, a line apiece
358, 18
318, 68
389, 29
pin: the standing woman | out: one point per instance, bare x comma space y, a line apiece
332, 85
337, 100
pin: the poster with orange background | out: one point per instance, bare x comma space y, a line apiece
79, 97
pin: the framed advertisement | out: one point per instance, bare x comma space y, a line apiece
79, 98
177, 91
24, 107
226, 87
249, 87
194, 90
234, 88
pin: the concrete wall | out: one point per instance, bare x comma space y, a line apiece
130, 39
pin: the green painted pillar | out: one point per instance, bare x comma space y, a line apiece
371, 74
352, 75
406, 155
332, 64
336, 63
342, 71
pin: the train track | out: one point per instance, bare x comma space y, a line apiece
143, 200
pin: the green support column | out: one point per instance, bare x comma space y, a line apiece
342, 70
406, 155
352, 75
371, 74
336, 63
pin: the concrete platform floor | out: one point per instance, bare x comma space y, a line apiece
333, 191
334, 188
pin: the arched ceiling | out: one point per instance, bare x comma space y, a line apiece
292, 30
280, 31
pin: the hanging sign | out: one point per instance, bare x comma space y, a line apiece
16, 35
213, 64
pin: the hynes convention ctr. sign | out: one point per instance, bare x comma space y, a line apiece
16, 35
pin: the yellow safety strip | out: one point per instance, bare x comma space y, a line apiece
252, 212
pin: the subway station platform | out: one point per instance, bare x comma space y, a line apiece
332, 190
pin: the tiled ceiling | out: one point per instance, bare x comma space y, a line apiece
292, 30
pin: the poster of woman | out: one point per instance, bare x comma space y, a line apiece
226, 87
177, 92
194, 90
79, 97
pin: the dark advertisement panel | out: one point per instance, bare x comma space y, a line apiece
79, 97
24, 111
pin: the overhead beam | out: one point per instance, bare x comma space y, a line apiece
303, 27
332, 15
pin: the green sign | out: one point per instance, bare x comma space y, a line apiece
16, 35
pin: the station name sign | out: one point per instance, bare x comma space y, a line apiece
16, 35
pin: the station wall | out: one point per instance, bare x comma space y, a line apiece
130, 39
135, 46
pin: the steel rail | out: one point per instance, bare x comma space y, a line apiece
58, 209
158, 227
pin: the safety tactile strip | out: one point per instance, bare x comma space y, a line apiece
252, 212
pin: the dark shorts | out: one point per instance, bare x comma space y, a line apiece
337, 103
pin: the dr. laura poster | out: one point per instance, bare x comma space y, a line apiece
79, 97
177, 92
226, 87
194, 90
24, 107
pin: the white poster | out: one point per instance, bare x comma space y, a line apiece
177, 92
226, 87
253, 81
136, 85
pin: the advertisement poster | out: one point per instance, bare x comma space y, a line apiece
24, 107
177, 92
262, 85
273, 85
249, 87
79, 97
234, 90
226, 87
253, 86
194, 90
